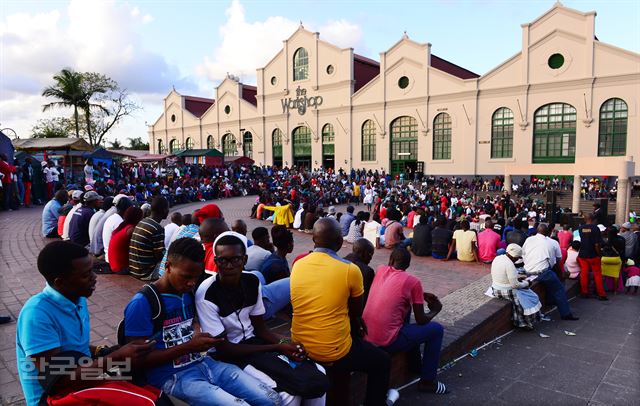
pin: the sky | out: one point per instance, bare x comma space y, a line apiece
150, 46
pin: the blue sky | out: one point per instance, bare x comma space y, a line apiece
150, 45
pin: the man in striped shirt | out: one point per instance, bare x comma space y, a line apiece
147, 242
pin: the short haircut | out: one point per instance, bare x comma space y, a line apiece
159, 204
176, 217
123, 204
464, 225
280, 236
54, 260
394, 214
107, 203
186, 219
260, 233
401, 257
575, 244
231, 240
186, 248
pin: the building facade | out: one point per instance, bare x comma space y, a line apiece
566, 104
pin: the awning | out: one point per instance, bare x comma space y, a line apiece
200, 152
46, 144
150, 158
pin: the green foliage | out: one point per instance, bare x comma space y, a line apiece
58, 127
137, 143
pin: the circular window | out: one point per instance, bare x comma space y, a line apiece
227, 109
330, 69
173, 118
274, 80
403, 82
556, 61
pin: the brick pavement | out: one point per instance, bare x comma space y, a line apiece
456, 283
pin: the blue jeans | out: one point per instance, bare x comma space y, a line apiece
275, 296
216, 383
411, 336
555, 291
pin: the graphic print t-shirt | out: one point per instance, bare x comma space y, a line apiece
177, 328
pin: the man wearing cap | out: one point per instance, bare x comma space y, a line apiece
630, 239
346, 219
506, 285
76, 200
79, 223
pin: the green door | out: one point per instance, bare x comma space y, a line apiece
302, 147
404, 145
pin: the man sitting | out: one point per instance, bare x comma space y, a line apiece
176, 365
488, 241
464, 244
230, 306
52, 334
327, 295
387, 314
361, 256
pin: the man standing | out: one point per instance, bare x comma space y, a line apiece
539, 258
346, 219
50, 214
589, 257
27, 180
361, 256
327, 296
7, 171
79, 224
147, 242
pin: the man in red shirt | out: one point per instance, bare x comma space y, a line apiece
209, 230
394, 293
7, 184
488, 241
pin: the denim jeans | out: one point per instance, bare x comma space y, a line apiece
216, 383
555, 291
276, 296
411, 336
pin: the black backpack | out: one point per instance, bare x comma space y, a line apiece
151, 293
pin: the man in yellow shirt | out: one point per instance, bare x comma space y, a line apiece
327, 299
465, 242
282, 214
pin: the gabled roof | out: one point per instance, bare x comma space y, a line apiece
364, 70
249, 94
197, 105
451, 68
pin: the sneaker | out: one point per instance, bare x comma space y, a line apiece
392, 396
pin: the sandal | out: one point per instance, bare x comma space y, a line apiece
436, 387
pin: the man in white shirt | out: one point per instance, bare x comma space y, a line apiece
259, 251
372, 232
95, 219
113, 222
171, 228
539, 255
76, 198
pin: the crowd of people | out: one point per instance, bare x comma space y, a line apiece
197, 330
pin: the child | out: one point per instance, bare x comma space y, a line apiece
571, 264
633, 277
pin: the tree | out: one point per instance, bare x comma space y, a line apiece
99, 97
58, 127
137, 143
68, 90
115, 144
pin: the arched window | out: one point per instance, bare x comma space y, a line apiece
369, 141
210, 144
160, 147
612, 135
328, 146
247, 145
189, 143
302, 146
173, 146
300, 64
276, 140
328, 135
229, 145
442, 136
554, 134
502, 133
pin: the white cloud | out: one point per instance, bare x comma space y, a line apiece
246, 46
86, 36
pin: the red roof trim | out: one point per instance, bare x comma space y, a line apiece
364, 59
249, 94
452, 68
197, 105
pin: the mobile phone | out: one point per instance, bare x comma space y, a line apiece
154, 337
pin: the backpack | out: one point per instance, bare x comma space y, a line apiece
151, 293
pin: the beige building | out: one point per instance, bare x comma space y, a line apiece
566, 104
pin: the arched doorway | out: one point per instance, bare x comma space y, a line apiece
173, 146
276, 140
160, 147
404, 145
554, 134
229, 145
328, 147
302, 147
247, 145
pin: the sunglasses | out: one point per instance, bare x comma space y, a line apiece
230, 261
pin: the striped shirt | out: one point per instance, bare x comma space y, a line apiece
146, 248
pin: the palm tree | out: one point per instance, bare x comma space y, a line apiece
69, 92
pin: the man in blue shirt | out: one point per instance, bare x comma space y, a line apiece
52, 332
50, 214
346, 219
177, 364
79, 224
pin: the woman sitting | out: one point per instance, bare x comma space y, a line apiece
357, 226
121, 238
525, 303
